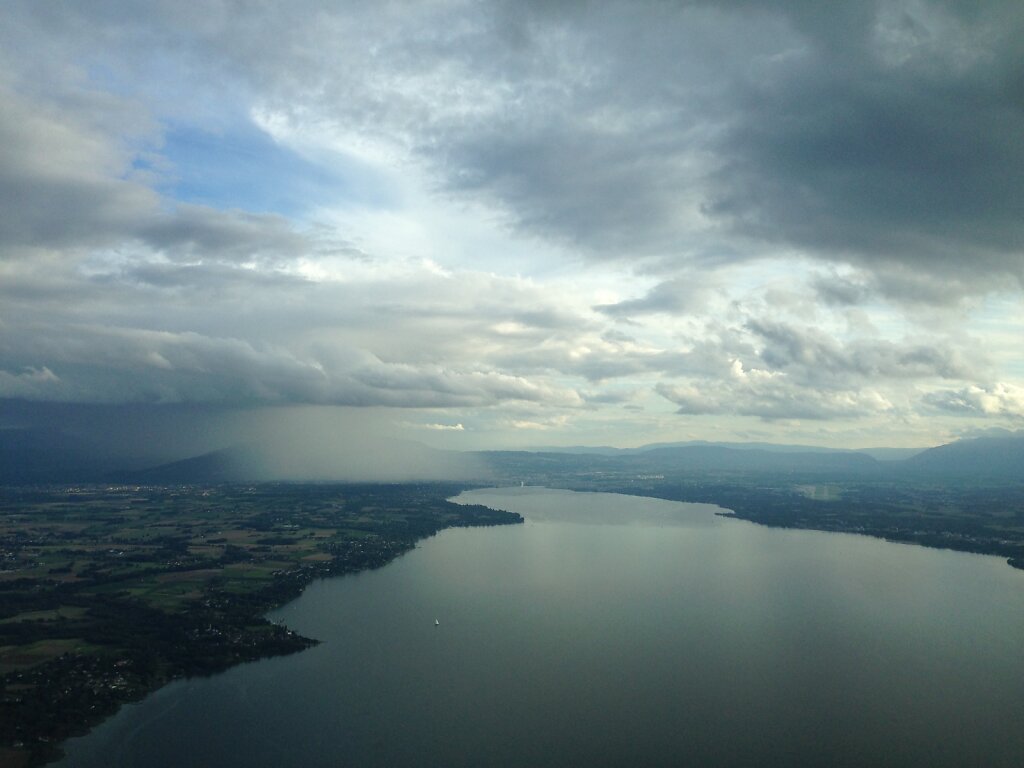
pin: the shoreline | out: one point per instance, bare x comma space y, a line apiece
143, 615
226, 624
798, 513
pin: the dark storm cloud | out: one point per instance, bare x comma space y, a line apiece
882, 133
882, 165
106, 365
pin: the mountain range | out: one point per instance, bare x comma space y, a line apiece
31, 457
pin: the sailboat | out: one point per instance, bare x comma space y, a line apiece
437, 623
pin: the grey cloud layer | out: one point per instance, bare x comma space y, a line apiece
879, 132
682, 138
996, 400
69, 185
116, 365
883, 133
230, 335
62, 181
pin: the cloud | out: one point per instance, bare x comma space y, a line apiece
29, 383
697, 133
1001, 399
480, 199
770, 397
784, 371
200, 233
883, 133
864, 150
609, 397
841, 290
818, 358
677, 296
119, 365
63, 181
996, 432
554, 422
72, 182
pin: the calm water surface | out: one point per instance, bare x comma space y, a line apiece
614, 630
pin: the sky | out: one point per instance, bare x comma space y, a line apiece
499, 224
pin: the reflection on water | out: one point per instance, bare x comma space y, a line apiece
665, 636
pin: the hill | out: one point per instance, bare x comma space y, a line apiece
686, 460
982, 458
224, 466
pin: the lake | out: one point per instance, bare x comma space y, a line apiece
615, 630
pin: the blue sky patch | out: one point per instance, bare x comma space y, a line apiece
246, 169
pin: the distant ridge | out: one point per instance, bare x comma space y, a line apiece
998, 459
715, 457
881, 454
692, 457
988, 458
891, 454
224, 466
754, 446
43, 457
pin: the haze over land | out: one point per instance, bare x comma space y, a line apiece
497, 225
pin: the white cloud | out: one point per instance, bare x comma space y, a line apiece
1000, 399
438, 427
